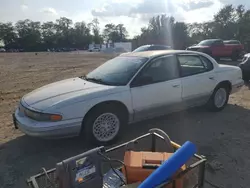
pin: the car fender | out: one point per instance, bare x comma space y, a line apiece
229, 73
80, 109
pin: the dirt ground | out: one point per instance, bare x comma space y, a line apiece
223, 137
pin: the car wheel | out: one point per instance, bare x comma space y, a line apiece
103, 125
219, 98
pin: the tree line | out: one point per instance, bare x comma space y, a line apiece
228, 23
29, 35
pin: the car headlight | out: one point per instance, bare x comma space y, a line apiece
38, 116
43, 116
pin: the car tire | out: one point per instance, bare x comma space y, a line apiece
219, 98
100, 133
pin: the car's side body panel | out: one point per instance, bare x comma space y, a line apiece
197, 89
155, 99
80, 109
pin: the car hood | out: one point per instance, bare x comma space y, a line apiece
59, 92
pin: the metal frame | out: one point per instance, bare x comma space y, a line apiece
199, 164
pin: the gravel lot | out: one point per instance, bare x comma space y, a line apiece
223, 137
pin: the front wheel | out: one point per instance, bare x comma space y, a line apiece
219, 99
103, 126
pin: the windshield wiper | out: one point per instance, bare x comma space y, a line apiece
96, 80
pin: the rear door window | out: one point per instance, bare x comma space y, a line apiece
191, 65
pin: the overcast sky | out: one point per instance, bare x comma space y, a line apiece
134, 14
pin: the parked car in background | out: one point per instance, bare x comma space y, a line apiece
245, 67
128, 88
233, 42
95, 49
151, 47
12, 50
218, 49
2, 50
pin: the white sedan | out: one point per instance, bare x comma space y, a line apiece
128, 88
94, 49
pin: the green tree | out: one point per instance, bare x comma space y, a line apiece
81, 35
164, 30
29, 35
94, 26
49, 35
107, 32
115, 33
122, 32
8, 35
63, 31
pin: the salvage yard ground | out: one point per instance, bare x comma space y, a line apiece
223, 137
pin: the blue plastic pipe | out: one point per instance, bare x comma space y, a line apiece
170, 166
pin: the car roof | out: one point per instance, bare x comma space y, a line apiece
150, 45
231, 40
155, 53
228, 41
212, 40
158, 45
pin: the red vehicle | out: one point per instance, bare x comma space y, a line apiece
218, 48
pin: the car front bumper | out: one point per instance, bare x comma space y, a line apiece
60, 129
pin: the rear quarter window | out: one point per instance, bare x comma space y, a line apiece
207, 63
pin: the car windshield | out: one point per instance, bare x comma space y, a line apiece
117, 71
206, 43
142, 48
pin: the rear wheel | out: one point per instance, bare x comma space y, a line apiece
219, 98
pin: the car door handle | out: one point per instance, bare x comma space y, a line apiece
176, 85
211, 78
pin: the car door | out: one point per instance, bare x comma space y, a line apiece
156, 89
198, 79
219, 49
